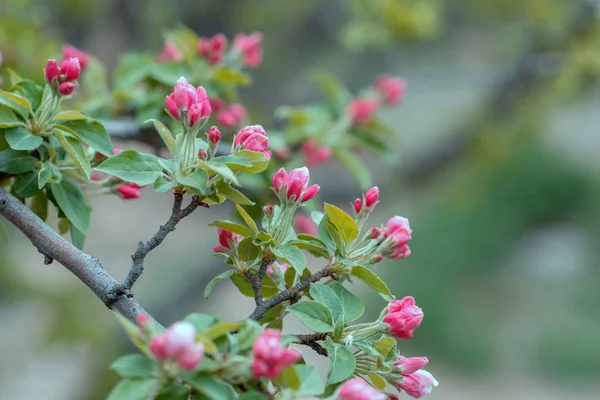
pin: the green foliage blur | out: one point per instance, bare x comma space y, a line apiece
504, 253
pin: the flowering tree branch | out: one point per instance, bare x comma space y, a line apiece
256, 280
290, 294
54, 247
137, 266
311, 340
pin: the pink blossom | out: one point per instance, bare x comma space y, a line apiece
179, 337
275, 271
409, 365
372, 197
226, 237
186, 99
314, 154
191, 357
403, 317
417, 384
158, 346
170, 53
232, 115
269, 209
358, 389
304, 224
250, 47
269, 356
362, 110
66, 88
401, 252
73, 52
128, 192
143, 319
51, 71
295, 184
252, 138
214, 135
391, 87
375, 233
202, 154
213, 48
358, 205
400, 234
215, 103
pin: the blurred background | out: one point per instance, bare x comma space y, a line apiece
497, 169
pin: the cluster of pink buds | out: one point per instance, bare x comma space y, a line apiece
304, 224
402, 318
294, 186
362, 110
170, 53
251, 48
232, 115
314, 154
129, 191
269, 356
252, 138
213, 48
178, 343
416, 382
227, 240
188, 104
368, 202
358, 389
391, 88
69, 51
277, 271
393, 238
63, 79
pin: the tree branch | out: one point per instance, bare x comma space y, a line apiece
53, 246
256, 280
311, 341
137, 267
290, 294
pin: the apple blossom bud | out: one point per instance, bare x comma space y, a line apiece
225, 237
376, 259
172, 106
268, 210
294, 189
358, 389
392, 88
128, 192
358, 204
410, 365
304, 224
361, 111
143, 319
279, 179
372, 197
310, 192
192, 357
417, 384
375, 233
70, 69
51, 71
403, 317
250, 47
73, 52
202, 154
158, 346
66, 88
218, 249
180, 336
214, 135
269, 356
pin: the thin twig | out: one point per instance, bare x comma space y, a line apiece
290, 294
311, 340
53, 246
256, 280
137, 266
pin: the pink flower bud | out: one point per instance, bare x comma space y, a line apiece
158, 346
215, 103
250, 47
372, 196
232, 115
375, 233
283, 154
362, 110
401, 234
73, 52
51, 71
184, 94
358, 204
202, 154
66, 88
212, 49
314, 154
143, 319
392, 88
128, 192
197, 111
294, 189
71, 69
214, 135
268, 209
403, 318
218, 249
116, 150
310, 192
252, 138
417, 384
225, 237
305, 224
269, 356
358, 389
170, 53
407, 366
172, 106
376, 259
401, 252
279, 179
179, 337
277, 271
300, 173
192, 357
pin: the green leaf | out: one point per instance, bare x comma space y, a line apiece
313, 315
353, 307
221, 329
228, 75
168, 72
269, 287
20, 138
293, 256
209, 386
247, 218
215, 280
343, 223
133, 366
93, 133
76, 151
247, 250
77, 237
378, 381
133, 166
233, 227
264, 238
232, 162
26, 184
72, 203
173, 391
70, 115
29, 90
253, 396
258, 161
219, 168
165, 134
233, 194
14, 77
289, 378
200, 321
135, 389
385, 345
132, 331
332, 87
8, 119
198, 180
325, 295
315, 248
248, 334
17, 103
16, 162
355, 166
48, 173
341, 361
162, 185
39, 205
312, 385
324, 235
368, 277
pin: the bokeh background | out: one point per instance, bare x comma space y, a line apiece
497, 169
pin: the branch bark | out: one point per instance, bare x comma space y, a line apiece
53, 246
256, 280
310, 340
